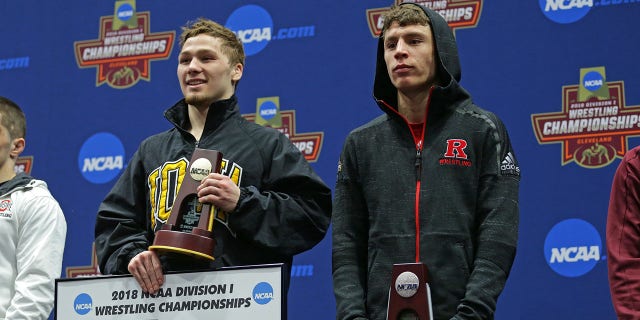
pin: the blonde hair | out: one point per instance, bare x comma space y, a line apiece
231, 45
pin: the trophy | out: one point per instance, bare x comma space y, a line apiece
409, 294
199, 242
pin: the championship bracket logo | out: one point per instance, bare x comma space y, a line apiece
23, 164
85, 271
125, 47
268, 114
459, 14
594, 124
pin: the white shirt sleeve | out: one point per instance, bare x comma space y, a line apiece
41, 238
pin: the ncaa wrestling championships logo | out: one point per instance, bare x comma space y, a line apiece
125, 48
268, 114
459, 14
594, 124
23, 164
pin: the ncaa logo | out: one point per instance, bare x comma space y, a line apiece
125, 12
252, 24
565, 11
268, 110
82, 304
263, 293
407, 284
572, 247
101, 157
592, 81
200, 169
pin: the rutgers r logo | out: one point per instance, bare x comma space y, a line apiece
455, 149
455, 155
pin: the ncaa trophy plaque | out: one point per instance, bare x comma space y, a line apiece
199, 242
409, 294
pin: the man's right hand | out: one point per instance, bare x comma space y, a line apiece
147, 270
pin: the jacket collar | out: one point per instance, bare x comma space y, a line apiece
20, 180
220, 110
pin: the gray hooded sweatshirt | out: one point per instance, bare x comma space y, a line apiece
450, 203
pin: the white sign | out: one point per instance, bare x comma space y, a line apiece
252, 292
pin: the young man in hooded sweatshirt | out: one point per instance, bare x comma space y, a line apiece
269, 204
432, 180
32, 229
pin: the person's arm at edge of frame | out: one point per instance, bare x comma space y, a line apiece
623, 236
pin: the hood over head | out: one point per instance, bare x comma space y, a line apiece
447, 62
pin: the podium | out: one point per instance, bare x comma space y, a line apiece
243, 292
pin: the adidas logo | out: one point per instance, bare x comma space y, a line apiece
508, 165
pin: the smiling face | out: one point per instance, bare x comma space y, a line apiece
409, 53
205, 72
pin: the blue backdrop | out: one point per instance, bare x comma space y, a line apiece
530, 61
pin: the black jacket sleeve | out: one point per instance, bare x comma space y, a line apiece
290, 211
121, 229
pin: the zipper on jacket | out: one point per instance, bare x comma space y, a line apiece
418, 165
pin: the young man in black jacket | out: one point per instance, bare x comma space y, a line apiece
269, 203
433, 180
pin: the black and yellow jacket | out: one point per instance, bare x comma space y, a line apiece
284, 207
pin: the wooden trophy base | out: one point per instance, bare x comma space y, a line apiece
196, 244
409, 293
